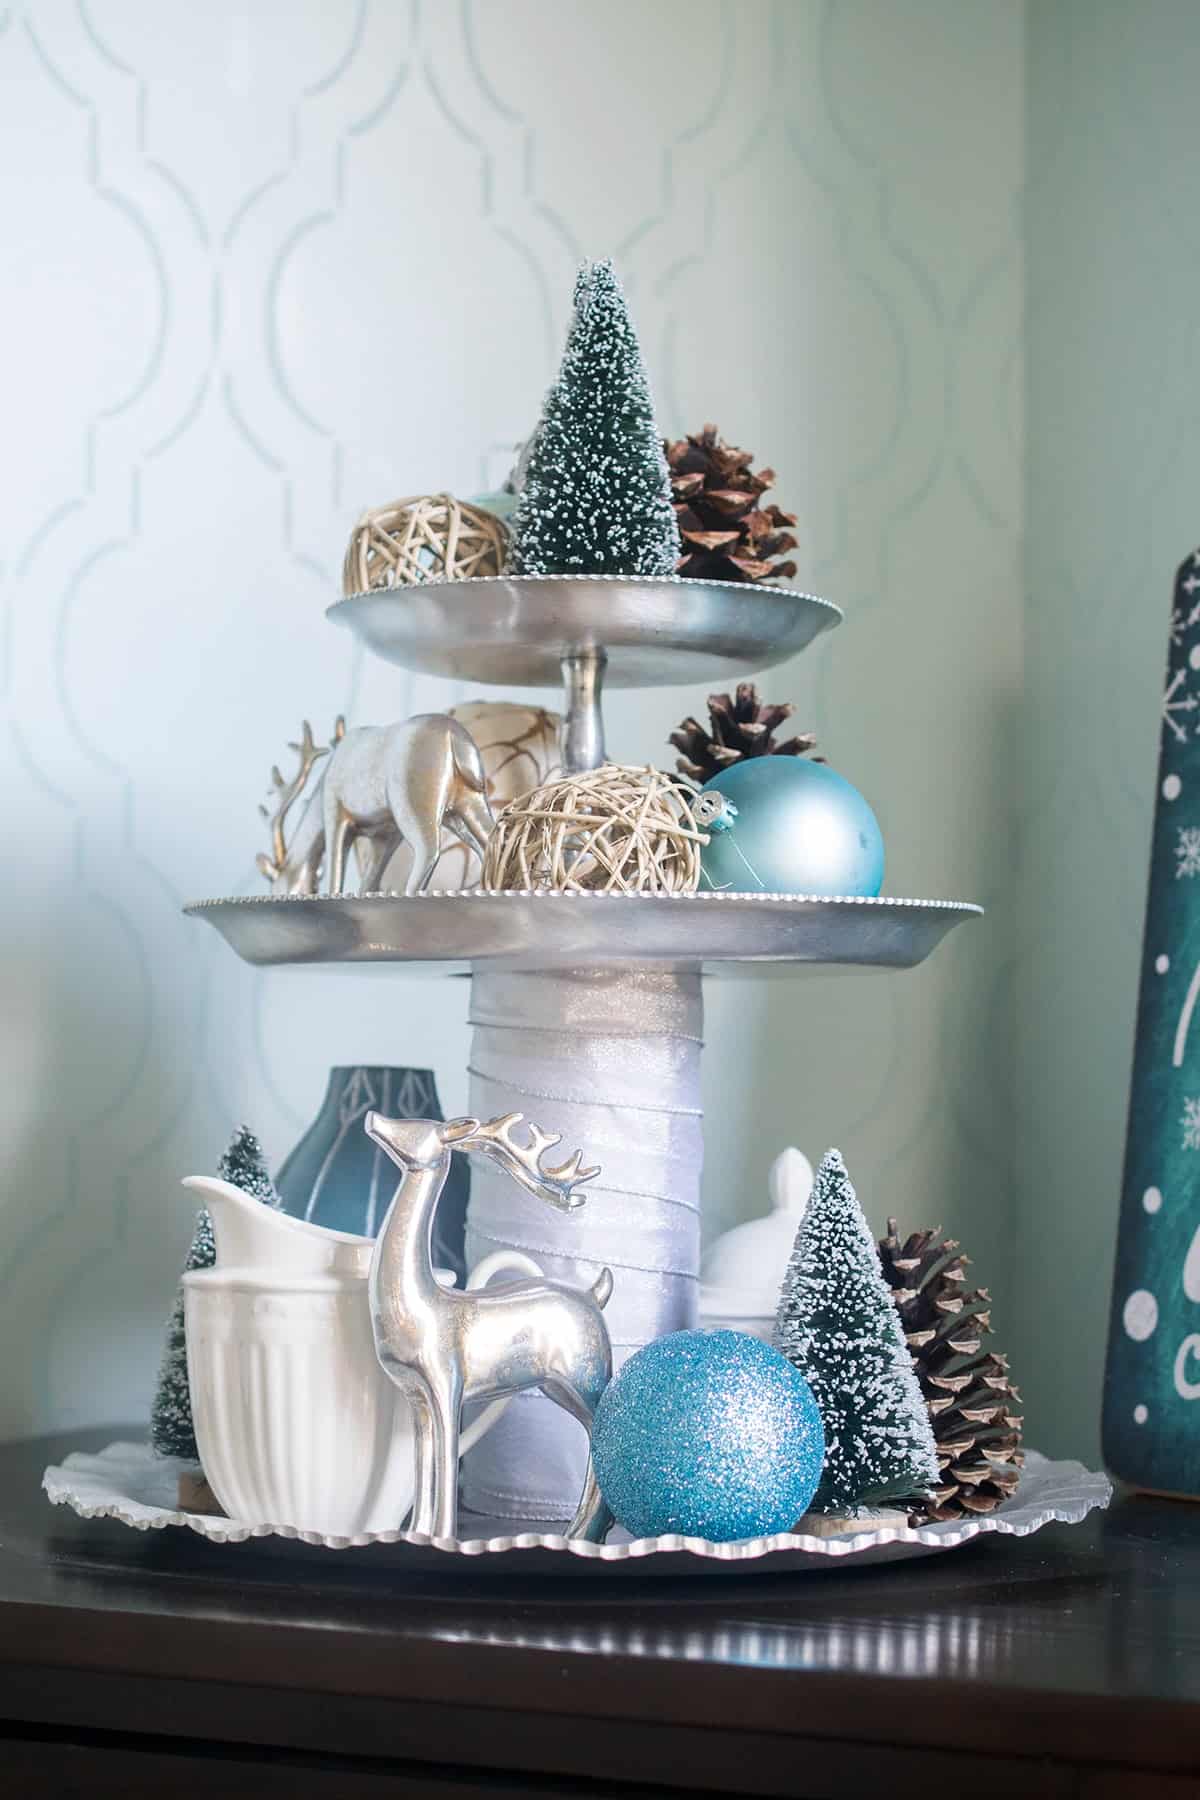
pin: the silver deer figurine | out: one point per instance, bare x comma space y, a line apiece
445, 1348
382, 784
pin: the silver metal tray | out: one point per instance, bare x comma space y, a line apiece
655, 631
127, 1482
451, 933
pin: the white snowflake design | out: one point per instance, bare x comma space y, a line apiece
1177, 701
1187, 850
1183, 622
1185, 617
1191, 1124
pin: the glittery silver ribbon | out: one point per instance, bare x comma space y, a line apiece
611, 1059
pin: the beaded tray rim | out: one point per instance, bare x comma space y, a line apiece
671, 581
476, 893
463, 930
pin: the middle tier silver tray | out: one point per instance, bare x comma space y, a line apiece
720, 934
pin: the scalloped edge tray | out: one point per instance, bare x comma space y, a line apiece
128, 1483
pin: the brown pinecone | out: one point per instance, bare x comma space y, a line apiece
966, 1385
739, 725
728, 535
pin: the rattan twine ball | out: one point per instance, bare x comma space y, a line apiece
614, 830
427, 537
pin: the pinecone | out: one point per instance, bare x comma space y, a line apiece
966, 1386
740, 725
727, 534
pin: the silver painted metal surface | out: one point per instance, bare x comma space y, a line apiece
383, 786
445, 1348
128, 1483
656, 631
583, 722
721, 934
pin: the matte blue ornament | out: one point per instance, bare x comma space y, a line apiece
789, 826
709, 1433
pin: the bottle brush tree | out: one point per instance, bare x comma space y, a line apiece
838, 1324
171, 1431
596, 498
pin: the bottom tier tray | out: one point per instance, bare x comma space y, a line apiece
128, 1483
720, 934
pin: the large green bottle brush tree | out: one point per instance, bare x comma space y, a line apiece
838, 1325
596, 497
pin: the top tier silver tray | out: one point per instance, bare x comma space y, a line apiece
583, 631
646, 631
452, 933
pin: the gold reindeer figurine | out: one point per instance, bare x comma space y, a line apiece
445, 1348
382, 784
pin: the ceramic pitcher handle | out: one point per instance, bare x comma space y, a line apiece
480, 1275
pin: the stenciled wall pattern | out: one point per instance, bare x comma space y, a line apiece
264, 265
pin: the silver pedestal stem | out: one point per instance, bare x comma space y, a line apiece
583, 727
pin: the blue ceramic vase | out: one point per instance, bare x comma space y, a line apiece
337, 1177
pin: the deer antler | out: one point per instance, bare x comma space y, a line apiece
523, 1162
288, 792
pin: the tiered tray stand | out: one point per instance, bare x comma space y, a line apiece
582, 632
604, 969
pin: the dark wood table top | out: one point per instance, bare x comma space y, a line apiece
1067, 1663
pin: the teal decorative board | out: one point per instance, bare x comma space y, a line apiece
1152, 1385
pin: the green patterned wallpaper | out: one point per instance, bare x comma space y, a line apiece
1113, 347
269, 264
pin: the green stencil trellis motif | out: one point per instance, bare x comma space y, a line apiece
1152, 1387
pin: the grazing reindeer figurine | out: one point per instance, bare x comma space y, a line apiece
382, 785
444, 1347
295, 868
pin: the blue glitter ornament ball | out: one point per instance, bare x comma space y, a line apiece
710, 1433
791, 827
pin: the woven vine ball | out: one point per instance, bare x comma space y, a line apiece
427, 537
518, 746
613, 830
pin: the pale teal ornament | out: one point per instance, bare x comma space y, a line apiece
788, 826
498, 501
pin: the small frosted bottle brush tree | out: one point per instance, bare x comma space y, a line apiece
596, 498
171, 1431
838, 1324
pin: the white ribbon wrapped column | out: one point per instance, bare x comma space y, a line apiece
611, 1059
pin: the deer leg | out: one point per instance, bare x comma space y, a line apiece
339, 844
372, 855
445, 1411
471, 820
424, 839
593, 1520
308, 880
423, 1513
338, 828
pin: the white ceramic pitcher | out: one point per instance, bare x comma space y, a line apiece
295, 1422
